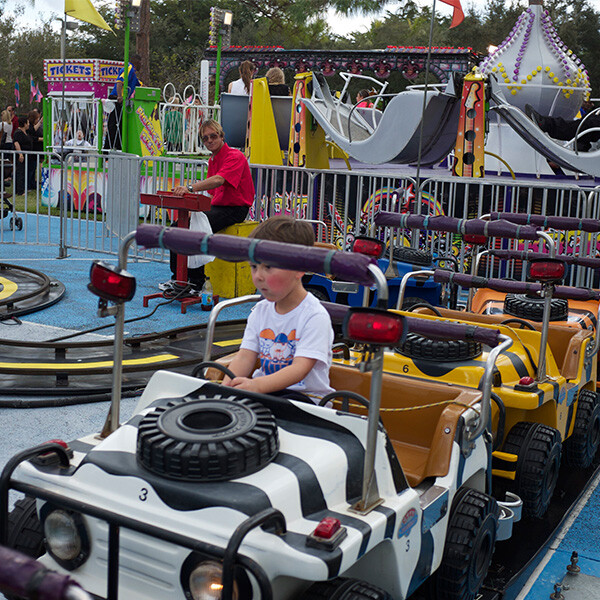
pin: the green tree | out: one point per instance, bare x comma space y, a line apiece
23, 53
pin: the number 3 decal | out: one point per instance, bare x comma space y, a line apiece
143, 495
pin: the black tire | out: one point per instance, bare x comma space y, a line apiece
19, 223
525, 324
409, 304
342, 588
423, 348
319, 293
207, 439
538, 448
25, 532
412, 256
581, 447
469, 546
532, 307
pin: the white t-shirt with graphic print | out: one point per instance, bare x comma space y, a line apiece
304, 331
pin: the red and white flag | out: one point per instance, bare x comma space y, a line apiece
458, 15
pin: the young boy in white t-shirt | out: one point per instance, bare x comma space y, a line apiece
289, 331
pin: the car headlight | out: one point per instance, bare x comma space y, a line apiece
66, 537
206, 581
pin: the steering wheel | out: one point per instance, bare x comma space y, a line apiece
526, 324
347, 395
432, 308
199, 369
343, 347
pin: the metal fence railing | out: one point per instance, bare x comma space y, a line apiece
89, 201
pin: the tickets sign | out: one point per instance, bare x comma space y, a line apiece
93, 70
78, 70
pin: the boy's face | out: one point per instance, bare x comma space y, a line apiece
275, 284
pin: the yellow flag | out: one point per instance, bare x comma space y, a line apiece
84, 11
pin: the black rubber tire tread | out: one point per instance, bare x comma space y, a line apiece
196, 454
319, 293
342, 588
469, 546
424, 348
25, 532
532, 308
412, 256
580, 448
538, 448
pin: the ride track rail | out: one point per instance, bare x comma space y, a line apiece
24, 290
78, 368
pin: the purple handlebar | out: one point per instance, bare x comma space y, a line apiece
502, 229
22, 575
513, 287
584, 261
566, 223
346, 265
453, 331
438, 330
337, 312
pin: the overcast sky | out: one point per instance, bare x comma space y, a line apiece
44, 9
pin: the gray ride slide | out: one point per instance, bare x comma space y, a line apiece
555, 151
395, 139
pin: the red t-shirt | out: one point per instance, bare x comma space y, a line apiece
238, 189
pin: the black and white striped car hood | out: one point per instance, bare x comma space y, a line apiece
317, 473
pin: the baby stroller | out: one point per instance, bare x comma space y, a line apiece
15, 222
7, 207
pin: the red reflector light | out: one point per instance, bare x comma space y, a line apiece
110, 282
369, 246
327, 528
526, 380
60, 443
472, 238
546, 270
371, 326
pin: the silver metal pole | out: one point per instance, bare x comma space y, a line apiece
486, 395
547, 294
212, 319
118, 344
370, 494
62, 197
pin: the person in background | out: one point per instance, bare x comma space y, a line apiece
289, 331
361, 99
229, 181
34, 131
113, 140
173, 125
566, 129
25, 163
241, 86
14, 118
6, 131
78, 141
276, 81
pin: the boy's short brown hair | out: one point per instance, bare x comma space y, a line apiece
285, 229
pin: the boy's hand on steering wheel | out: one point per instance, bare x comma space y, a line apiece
245, 383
